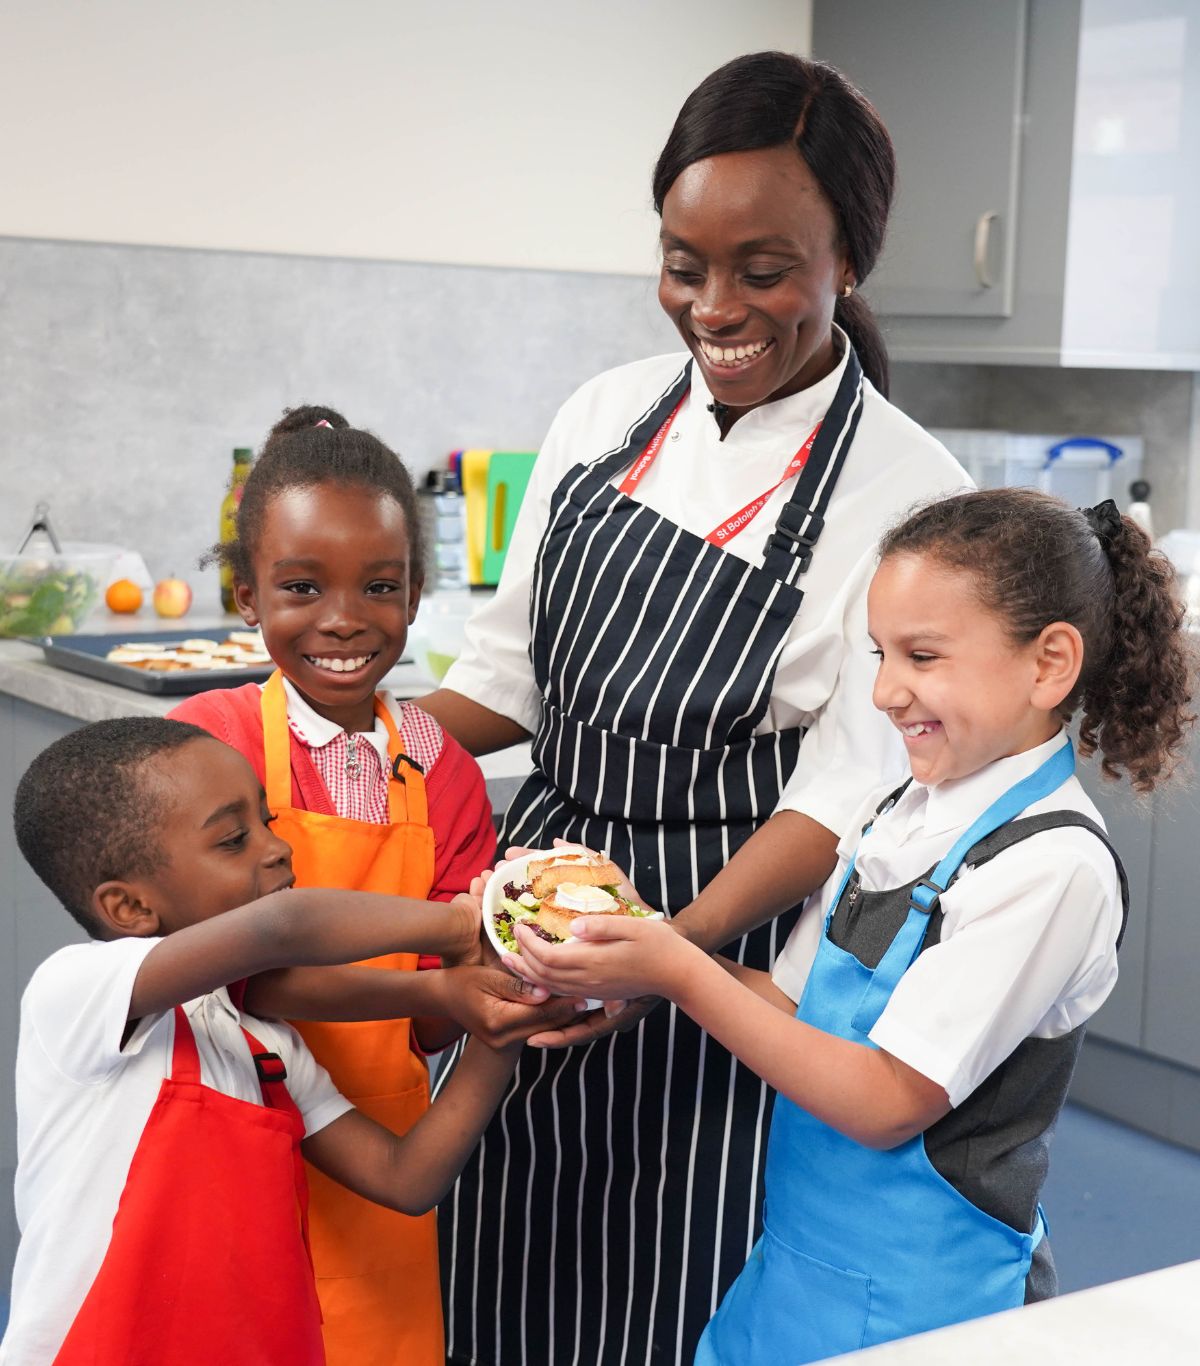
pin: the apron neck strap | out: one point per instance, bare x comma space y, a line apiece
185, 1057
407, 801
924, 895
406, 782
789, 548
277, 745
646, 427
272, 1076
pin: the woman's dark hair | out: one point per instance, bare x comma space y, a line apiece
771, 99
1034, 560
313, 445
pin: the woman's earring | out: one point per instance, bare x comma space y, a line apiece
847, 290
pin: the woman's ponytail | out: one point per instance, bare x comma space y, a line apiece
1136, 704
854, 316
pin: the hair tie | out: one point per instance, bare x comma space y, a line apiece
323, 423
1105, 521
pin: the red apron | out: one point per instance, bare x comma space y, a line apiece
377, 1270
208, 1260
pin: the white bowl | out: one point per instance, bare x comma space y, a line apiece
514, 871
493, 893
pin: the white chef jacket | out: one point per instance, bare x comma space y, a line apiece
825, 672
82, 1103
1028, 940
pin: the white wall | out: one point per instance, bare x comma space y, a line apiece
508, 134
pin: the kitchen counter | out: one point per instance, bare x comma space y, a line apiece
1150, 1318
24, 674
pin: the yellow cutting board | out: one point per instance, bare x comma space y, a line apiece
474, 473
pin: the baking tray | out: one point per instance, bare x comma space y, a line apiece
84, 654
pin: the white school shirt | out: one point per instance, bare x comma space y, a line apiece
82, 1103
1028, 942
825, 673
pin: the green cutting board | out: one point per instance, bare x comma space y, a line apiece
507, 475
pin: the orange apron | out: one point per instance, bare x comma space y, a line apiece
377, 1271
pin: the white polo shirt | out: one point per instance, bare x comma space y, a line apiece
1028, 940
82, 1103
825, 671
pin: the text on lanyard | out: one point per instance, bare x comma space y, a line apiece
728, 529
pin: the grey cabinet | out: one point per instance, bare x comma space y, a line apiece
1130, 825
1088, 259
1156, 1004
1172, 1013
955, 124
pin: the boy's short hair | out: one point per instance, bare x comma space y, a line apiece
85, 814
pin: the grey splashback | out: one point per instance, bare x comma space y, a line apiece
128, 374
1160, 406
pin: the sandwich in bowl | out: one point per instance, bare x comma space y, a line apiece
549, 892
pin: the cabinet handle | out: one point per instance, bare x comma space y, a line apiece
983, 233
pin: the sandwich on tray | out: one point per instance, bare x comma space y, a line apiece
552, 890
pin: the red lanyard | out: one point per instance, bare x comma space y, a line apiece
729, 528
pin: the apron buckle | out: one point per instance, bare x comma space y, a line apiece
924, 896
796, 533
404, 759
270, 1067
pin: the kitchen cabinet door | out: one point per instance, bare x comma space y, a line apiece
1172, 1012
947, 79
1130, 824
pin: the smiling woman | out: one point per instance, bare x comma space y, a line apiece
670, 631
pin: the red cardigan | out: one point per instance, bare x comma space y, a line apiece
459, 812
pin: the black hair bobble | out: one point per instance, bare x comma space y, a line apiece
1105, 520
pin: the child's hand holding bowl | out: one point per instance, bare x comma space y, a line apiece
610, 958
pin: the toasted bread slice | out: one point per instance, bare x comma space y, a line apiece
556, 919
589, 870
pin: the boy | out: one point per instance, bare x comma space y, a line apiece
159, 1187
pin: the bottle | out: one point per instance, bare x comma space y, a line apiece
243, 460
1139, 508
444, 526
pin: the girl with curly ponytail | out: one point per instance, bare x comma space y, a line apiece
1033, 562
923, 1021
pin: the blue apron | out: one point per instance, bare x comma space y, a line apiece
859, 1246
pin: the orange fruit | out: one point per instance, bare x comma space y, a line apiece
123, 596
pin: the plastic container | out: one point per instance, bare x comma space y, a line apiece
436, 637
51, 593
1082, 470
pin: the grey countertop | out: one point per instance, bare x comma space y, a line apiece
25, 674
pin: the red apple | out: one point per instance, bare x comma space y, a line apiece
172, 597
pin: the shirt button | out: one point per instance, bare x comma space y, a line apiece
675, 435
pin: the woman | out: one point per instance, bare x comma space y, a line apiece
681, 628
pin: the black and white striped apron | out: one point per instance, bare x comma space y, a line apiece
615, 1195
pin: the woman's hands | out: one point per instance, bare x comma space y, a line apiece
617, 1017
